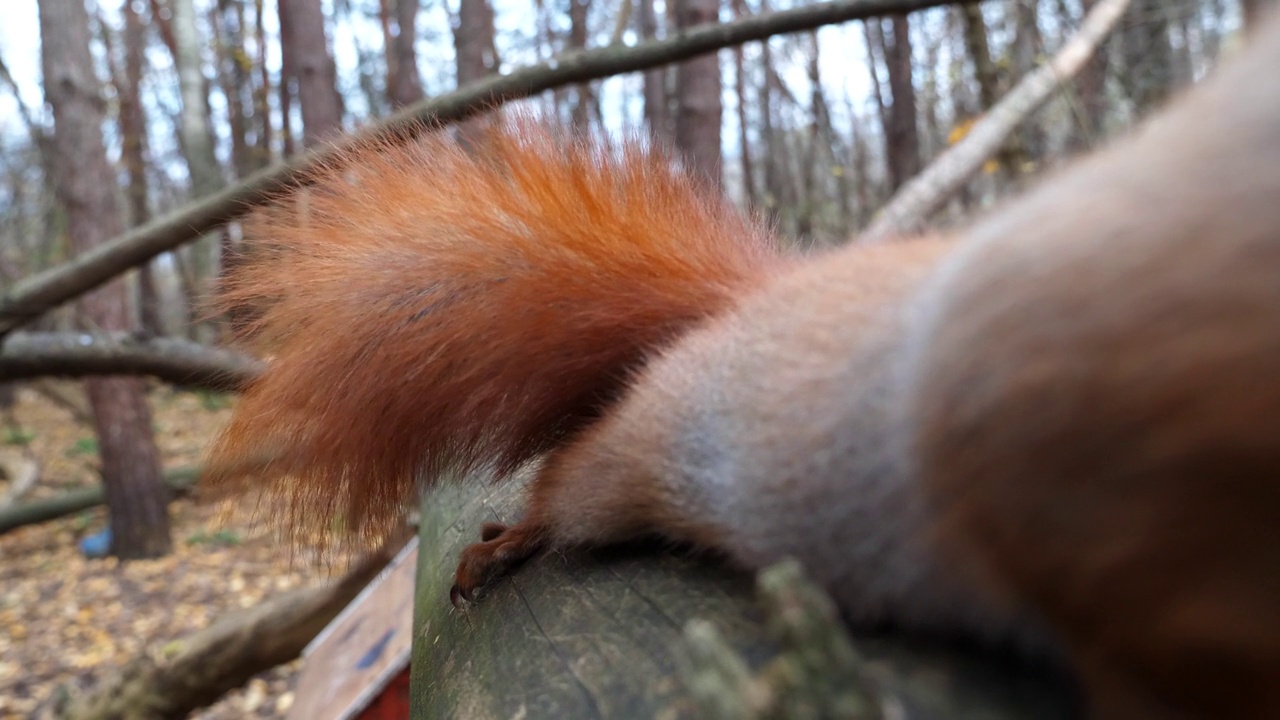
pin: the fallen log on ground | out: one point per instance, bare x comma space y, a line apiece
179, 481
171, 679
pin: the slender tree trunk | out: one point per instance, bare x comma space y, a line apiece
195, 130
405, 86
288, 83
306, 50
477, 55
386, 9
228, 23
740, 90
584, 103
1148, 55
1091, 90
902, 137
774, 190
133, 153
262, 93
136, 495
1029, 145
657, 102
698, 93
975, 42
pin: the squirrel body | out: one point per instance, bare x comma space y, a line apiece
1058, 430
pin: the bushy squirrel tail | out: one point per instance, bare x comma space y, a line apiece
428, 309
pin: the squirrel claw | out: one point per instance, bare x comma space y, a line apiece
458, 595
500, 549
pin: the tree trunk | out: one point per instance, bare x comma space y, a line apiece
902, 139
698, 96
608, 633
133, 153
404, 85
984, 69
477, 55
769, 137
288, 83
1091, 89
195, 130
306, 52
657, 102
975, 42
1148, 55
584, 98
135, 490
261, 94
740, 90
1028, 44
230, 35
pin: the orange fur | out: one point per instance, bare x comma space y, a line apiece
426, 310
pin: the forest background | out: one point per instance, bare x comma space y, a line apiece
107, 402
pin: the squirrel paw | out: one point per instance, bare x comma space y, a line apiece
501, 548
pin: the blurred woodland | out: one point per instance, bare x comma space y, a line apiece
153, 124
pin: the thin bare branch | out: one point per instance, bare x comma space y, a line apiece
33, 296
908, 210
174, 360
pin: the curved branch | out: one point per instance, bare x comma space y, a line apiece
907, 211
177, 361
35, 295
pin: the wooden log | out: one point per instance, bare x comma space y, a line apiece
179, 480
602, 634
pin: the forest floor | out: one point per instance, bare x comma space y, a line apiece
66, 621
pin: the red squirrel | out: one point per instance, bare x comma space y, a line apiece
1057, 429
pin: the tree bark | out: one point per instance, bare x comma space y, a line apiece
136, 495
698, 97
305, 49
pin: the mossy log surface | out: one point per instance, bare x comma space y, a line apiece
601, 634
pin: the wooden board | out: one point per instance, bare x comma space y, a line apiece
363, 649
